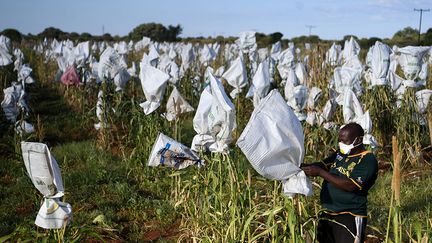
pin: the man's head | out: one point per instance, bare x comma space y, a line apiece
350, 133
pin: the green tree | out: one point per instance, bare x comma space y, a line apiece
405, 37
156, 32
13, 34
51, 33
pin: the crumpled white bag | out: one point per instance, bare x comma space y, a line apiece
246, 41
422, 100
10, 101
5, 57
236, 76
44, 172
207, 55
297, 98
176, 105
410, 58
168, 152
315, 94
351, 49
273, 142
345, 79
153, 82
111, 66
53, 214
260, 83
214, 120
23, 127
276, 50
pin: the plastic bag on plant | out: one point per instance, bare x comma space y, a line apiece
422, 100
236, 76
246, 41
168, 152
5, 57
260, 85
351, 49
10, 101
273, 142
44, 172
314, 97
410, 58
70, 77
333, 55
378, 59
176, 105
24, 127
153, 82
296, 99
214, 119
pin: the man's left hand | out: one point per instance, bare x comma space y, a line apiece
312, 170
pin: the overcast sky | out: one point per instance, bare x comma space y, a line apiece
332, 19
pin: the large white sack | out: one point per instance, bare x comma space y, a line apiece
378, 59
187, 56
214, 119
297, 98
260, 83
346, 79
153, 55
176, 105
411, 59
110, 65
333, 55
352, 109
351, 49
24, 75
10, 101
276, 50
273, 142
5, 57
301, 73
207, 55
5, 43
168, 152
246, 41
81, 53
236, 76
153, 82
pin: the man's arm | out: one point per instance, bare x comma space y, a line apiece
338, 181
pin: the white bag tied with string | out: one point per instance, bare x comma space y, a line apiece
411, 59
214, 119
314, 97
153, 82
176, 105
45, 174
236, 76
378, 59
273, 142
10, 101
168, 152
260, 83
351, 49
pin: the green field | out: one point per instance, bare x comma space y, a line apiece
116, 197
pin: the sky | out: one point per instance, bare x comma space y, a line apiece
332, 19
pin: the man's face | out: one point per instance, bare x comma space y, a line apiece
345, 136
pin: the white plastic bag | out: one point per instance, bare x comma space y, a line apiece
214, 119
422, 100
153, 82
176, 105
168, 152
273, 142
45, 174
260, 83
378, 59
246, 41
236, 76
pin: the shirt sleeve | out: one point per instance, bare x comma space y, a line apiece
365, 172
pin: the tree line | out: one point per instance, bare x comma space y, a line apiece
158, 32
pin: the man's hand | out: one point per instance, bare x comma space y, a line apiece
312, 170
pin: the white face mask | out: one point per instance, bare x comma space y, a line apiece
346, 148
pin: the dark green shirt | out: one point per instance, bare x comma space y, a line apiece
362, 169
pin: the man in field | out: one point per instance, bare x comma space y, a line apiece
348, 175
